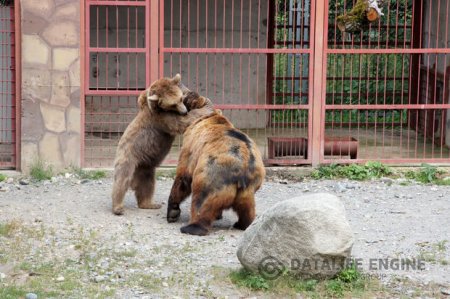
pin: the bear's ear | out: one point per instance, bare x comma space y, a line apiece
176, 79
142, 100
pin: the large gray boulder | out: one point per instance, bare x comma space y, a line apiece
308, 236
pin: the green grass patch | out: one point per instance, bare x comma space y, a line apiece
40, 172
14, 292
428, 174
353, 171
88, 174
247, 279
434, 253
348, 283
166, 173
7, 229
2, 177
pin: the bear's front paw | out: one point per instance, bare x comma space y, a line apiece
194, 229
241, 226
118, 210
198, 103
173, 214
193, 100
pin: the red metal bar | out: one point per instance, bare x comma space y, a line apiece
18, 84
155, 70
320, 33
236, 50
390, 51
84, 81
118, 2
388, 107
261, 107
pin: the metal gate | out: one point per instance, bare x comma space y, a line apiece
282, 72
385, 90
8, 145
253, 58
121, 59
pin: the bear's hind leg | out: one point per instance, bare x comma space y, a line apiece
204, 211
122, 174
144, 187
244, 206
181, 189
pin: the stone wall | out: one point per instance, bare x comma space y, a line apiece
50, 82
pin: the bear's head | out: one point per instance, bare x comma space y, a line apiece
165, 94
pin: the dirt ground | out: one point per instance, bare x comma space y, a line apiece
63, 239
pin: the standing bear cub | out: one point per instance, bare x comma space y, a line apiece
223, 169
163, 113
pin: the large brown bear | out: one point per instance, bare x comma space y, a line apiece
147, 140
223, 169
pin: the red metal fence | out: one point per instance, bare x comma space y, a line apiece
253, 59
119, 59
8, 155
386, 87
282, 72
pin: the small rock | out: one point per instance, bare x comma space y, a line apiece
165, 284
387, 181
2, 276
397, 212
54, 179
4, 189
104, 265
24, 182
9, 180
284, 182
31, 296
340, 188
350, 186
445, 291
67, 175
60, 278
99, 278
84, 181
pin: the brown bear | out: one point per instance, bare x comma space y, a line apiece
147, 140
223, 169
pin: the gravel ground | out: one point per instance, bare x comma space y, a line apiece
140, 255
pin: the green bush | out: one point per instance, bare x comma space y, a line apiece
245, 278
427, 174
352, 171
40, 172
2, 177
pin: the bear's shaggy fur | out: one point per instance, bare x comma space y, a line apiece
223, 169
147, 140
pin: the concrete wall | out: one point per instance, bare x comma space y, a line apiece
50, 82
